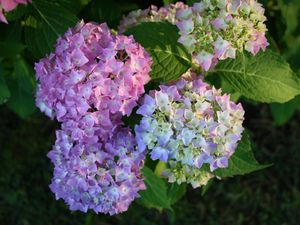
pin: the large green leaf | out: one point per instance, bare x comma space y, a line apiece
4, 91
263, 78
23, 86
242, 161
176, 192
170, 58
10, 49
155, 196
45, 25
74, 6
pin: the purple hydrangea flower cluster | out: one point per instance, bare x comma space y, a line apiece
104, 177
92, 72
151, 14
91, 80
216, 30
191, 127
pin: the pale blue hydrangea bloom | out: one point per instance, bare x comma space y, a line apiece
191, 127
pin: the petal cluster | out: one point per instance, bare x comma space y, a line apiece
91, 80
91, 71
216, 30
191, 127
90, 175
151, 14
9, 5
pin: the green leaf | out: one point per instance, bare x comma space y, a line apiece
282, 113
4, 91
176, 192
45, 25
170, 58
155, 196
205, 188
191, 2
290, 13
160, 167
10, 49
242, 161
167, 2
22, 83
103, 11
74, 6
263, 78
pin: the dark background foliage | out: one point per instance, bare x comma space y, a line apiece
270, 196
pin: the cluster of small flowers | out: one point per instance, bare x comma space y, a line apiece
215, 30
9, 5
211, 30
103, 177
91, 80
92, 70
191, 127
151, 14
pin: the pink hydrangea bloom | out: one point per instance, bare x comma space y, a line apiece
92, 72
151, 14
9, 5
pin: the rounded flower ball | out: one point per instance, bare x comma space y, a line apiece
92, 70
103, 177
191, 127
216, 30
151, 14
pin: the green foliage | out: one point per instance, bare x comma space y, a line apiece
160, 194
155, 196
167, 2
46, 23
242, 161
263, 78
176, 192
290, 11
109, 12
10, 49
4, 91
23, 86
170, 59
282, 113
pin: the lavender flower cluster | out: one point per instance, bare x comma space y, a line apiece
211, 30
104, 177
189, 125
91, 80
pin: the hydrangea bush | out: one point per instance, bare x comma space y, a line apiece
147, 107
